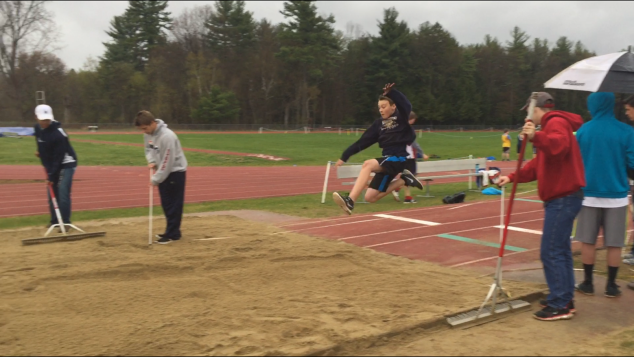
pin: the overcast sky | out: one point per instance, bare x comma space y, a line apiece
603, 27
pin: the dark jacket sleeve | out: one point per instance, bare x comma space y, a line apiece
58, 153
402, 103
369, 138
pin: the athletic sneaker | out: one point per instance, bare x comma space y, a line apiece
164, 240
409, 200
551, 314
612, 291
346, 203
585, 288
411, 180
159, 236
397, 198
570, 306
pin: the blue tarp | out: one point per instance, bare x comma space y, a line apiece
18, 130
491, 191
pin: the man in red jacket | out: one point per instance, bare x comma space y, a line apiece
560, 176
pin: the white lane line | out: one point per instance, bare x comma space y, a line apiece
467, 205
524, 230
490, 258
435, 235
410, 220
365, 235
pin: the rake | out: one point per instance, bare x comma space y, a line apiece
62, 226
490, 309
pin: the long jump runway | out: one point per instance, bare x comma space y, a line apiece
462, 235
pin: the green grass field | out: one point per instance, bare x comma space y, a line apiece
301, 149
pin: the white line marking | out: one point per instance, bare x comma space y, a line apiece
435, 235
489, 258
445, 223
213, 238
410, 220
517, 229
471, 204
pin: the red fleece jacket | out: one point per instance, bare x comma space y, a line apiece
558, 167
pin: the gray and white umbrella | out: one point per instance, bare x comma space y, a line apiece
613, 72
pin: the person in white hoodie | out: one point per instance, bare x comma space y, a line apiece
165, 156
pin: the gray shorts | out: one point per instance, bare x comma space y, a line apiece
612, 220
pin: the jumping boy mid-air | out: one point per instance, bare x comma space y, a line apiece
393, 133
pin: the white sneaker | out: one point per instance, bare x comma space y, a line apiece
628, 256
397, 198
628, 261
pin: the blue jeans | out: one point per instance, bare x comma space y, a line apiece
556, 249
62, 189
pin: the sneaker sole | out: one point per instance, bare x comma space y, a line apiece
341, 202
584, 293
555, 318
612, 296
572, 311
408, 172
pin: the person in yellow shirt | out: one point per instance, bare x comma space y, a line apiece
506, 146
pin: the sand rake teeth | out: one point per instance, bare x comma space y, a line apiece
62, 238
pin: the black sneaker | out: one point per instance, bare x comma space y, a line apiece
346, 203
551, 314
570, 306
612, 291
411, 180
585, 288
159, 236
164, 240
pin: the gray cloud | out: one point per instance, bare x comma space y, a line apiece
602, 27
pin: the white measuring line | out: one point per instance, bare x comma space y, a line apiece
524, 230
410, 220
445, 223
467, 205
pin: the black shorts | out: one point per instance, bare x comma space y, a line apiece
392, 166
410, 164
505, 150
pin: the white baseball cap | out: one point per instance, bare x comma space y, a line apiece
44, 112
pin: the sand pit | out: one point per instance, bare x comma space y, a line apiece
253, 292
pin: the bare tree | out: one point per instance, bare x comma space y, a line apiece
189, 28
25, 27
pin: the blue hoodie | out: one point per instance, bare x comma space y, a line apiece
607, 148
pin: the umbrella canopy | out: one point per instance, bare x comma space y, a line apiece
613, 72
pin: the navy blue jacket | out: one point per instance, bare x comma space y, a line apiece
392, 134
55, 149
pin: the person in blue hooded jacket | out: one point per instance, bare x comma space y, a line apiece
58, 158
607, 149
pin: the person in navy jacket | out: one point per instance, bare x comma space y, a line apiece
58, 158
393, 133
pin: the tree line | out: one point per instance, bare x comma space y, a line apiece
217, 64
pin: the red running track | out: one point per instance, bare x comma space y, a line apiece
471, 228
107, 187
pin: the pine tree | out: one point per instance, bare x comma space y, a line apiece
136, 33
308, 47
